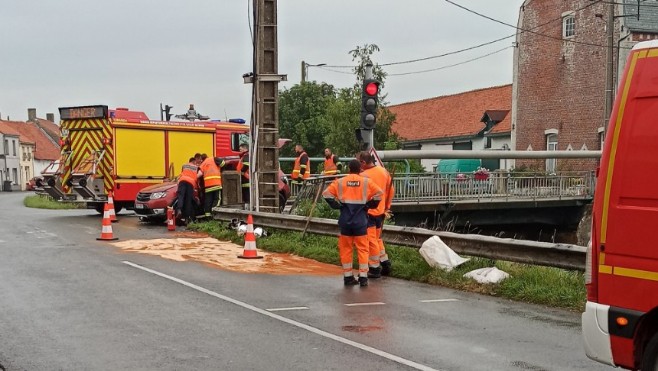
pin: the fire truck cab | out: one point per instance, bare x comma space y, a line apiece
123, 151
620, 322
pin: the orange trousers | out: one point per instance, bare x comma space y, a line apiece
376, 250
345, 249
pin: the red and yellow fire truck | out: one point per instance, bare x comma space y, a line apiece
620, 322
123, 151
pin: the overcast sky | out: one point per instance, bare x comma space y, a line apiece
140, 53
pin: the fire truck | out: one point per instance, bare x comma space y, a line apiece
620, 322
122, 151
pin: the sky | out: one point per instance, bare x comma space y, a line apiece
140, 53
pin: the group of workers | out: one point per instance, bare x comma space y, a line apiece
364, 198
203, 173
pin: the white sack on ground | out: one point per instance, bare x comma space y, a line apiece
487, 275
438, 255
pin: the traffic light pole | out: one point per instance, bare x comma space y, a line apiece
368, 134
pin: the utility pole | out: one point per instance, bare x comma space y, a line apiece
264, 149
609, 73
303, 72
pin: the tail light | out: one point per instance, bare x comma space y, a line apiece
588, 264
592, 266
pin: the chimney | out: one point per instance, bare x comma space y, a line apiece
31, 114
50, 117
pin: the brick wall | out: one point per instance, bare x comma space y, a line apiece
560, 85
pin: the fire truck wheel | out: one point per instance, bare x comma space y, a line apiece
650, 356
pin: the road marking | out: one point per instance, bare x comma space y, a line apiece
438, 300
364, 304
284, 309
312, 329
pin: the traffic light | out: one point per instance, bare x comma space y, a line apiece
369, 103
167, 110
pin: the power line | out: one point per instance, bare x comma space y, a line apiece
249, 20
450, 65
524, 29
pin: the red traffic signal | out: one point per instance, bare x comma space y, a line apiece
372, 88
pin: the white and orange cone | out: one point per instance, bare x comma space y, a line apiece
106, 231
110, 204
250, 251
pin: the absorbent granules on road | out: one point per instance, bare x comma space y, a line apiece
223, 254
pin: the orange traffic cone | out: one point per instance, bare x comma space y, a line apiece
110, 205
250, 251
106, 231
171, 220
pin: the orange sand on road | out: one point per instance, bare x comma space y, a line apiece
224, 255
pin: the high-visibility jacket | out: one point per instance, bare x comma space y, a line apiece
353, 194
330, 165
243, 169
302, 167
383, 179
212, 177
189, 174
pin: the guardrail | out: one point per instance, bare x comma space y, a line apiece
495, 185
521, 251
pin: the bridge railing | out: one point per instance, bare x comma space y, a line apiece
495, 185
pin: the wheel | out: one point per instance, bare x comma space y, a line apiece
100, 208
117, 207
650, 356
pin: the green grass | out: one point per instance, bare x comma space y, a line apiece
532, 284
47, 202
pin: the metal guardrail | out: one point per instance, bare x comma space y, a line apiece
497, 185
520, 251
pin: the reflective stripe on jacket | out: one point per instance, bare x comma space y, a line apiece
383, 179
212, 177
330, 167
297, 168
353, 192
243, 169
189, 174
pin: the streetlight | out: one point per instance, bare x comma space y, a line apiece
305, 67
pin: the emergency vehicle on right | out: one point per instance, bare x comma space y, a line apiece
620, 322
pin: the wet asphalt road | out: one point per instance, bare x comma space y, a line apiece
69, 302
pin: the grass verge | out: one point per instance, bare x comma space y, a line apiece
47, 202
527, 283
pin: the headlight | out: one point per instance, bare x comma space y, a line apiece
157, 195
284, 179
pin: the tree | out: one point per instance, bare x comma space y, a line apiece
302, 116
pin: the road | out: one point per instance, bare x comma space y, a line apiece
69, 302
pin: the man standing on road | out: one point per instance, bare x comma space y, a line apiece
187, 182
212, 182
378, 262
353, 194
302, 167
331, 164
243, 169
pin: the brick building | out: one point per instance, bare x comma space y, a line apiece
560, 73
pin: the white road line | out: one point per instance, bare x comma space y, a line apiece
364, 304
438, 300
312, 329
284, 309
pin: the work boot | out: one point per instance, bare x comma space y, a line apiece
386, 268
363, 281
375, 272
350, 281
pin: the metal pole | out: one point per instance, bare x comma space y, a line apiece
436, 154
609, 73
303, 72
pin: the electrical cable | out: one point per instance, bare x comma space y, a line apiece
450, 65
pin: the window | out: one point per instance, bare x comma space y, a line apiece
14, 172
6, 147
237, 139
14, 143
568, 25
551, 145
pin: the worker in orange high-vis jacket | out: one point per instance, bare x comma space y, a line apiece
331, 164
378, 261
243, 169
353, 195
187, 182
212, 183
302, 168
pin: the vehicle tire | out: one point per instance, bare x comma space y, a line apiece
282, 202
117, 207
650, 356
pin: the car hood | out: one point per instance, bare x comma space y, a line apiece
159, 187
